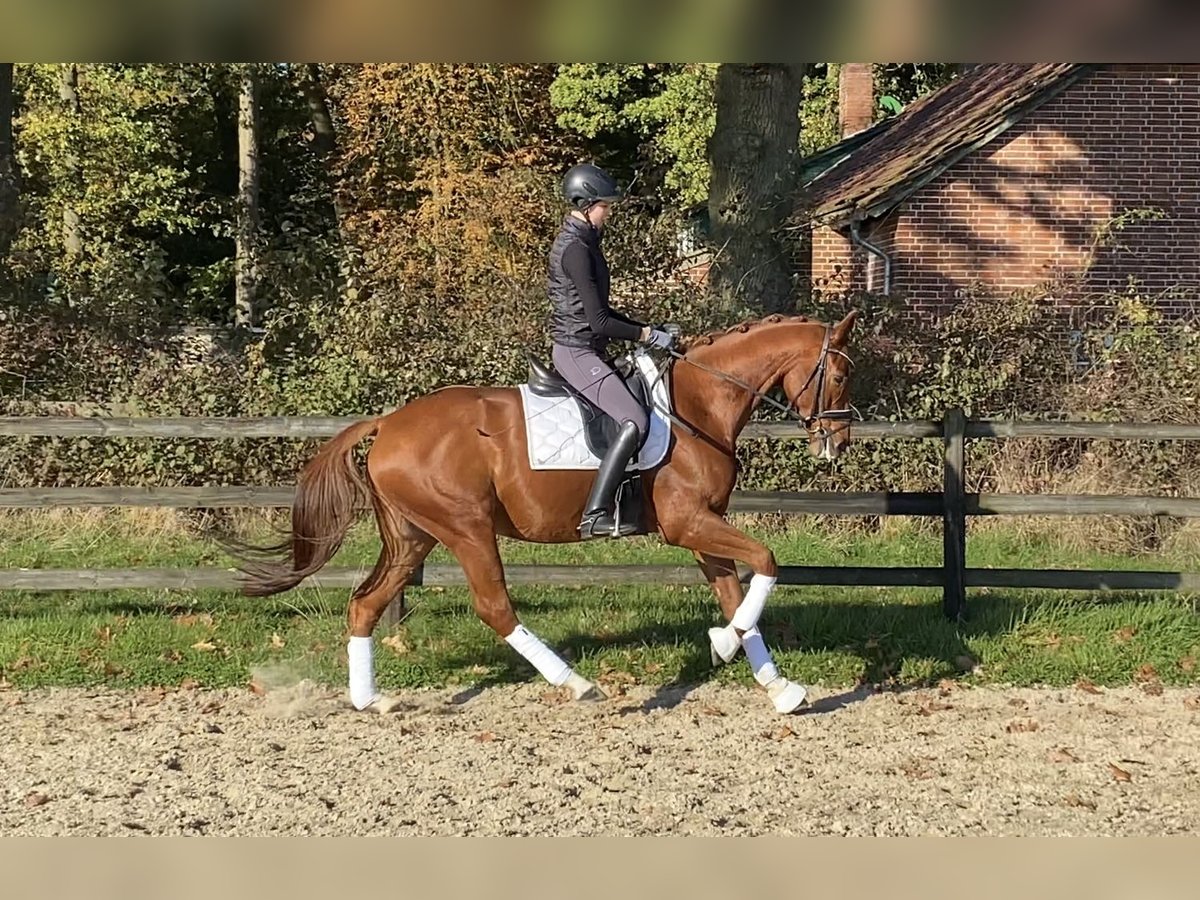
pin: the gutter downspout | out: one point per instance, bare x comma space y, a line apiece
858, 239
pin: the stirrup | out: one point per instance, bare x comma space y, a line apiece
601, 524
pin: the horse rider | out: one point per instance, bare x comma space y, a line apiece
582, 324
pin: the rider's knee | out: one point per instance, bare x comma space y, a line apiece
642, 424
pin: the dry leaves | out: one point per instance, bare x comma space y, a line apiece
36, 798
1192, 702
1124, 635
1063, 755
187, 619
1022, 726
396, 644
204, 646
1187, 665
917, 768
1076, 801
485, 737
615, 679
708, 710
1050, 641
1085, 685
934, 706
276, 641
1145, 673
782, 734
1119, 774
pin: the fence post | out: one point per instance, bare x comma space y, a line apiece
394, 614
954, 516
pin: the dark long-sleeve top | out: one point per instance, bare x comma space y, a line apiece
579, 264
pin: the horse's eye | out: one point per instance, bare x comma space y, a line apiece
839, 379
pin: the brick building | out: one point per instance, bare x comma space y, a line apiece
1005, 178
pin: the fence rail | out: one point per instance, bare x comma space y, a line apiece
849, 503
216, 578
953, 504
226, 427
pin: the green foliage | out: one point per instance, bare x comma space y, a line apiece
819, 127
679, 120
663, 114
899, 84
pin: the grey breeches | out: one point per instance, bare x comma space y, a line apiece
592, 376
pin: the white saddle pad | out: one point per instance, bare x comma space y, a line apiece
554, 428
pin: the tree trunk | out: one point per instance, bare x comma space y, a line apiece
325, 141
68, 92
247, 208
753, 154
9, 186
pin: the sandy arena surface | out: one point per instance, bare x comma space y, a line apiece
520, 760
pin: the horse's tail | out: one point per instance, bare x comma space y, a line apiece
330, 493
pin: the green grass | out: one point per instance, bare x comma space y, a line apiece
650, 634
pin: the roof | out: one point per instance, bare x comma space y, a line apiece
869, 173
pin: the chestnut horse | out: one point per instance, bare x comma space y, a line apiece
452, 467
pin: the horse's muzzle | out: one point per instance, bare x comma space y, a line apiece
828, 444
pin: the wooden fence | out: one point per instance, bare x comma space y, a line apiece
953, 504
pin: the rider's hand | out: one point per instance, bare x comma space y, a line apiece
660, 338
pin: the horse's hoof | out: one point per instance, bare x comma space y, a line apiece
787, 696
584, 690
724, 644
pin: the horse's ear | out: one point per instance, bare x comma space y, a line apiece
842, 329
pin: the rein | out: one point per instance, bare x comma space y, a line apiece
818, 373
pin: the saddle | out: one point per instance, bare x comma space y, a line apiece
600, 429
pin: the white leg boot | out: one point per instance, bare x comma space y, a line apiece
363, 695
724, 641
551, 666
786, 696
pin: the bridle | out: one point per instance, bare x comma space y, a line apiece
817, 374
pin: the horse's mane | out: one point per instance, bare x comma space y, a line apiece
741, 328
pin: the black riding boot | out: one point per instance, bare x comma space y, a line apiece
598, 517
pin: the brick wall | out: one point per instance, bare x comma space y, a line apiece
1024, 209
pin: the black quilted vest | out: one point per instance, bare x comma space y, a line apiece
568, 321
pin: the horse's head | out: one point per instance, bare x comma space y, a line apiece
817, 385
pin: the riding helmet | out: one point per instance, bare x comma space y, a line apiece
586, 184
